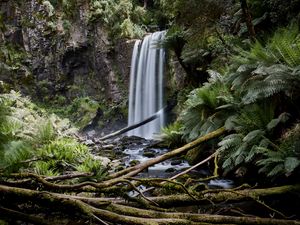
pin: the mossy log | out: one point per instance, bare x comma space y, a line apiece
108, 212
218, 196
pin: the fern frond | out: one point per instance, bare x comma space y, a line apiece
291, 163
253, 135
277, 170
46, 132
230, 141
15, 153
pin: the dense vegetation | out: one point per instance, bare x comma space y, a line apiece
239, 104
254, 96
33, 141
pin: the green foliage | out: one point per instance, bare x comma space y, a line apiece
269, 81
94, 166
66, 154
254, 126
31, 140
46, 132
172, 134
258, 76
269, 70
282, 48
11, 56
82, 111
15, 154
195, 34
49, 8
60, 155
69, 7
130, 30
121, 17
285, 159
248, 101
201, 114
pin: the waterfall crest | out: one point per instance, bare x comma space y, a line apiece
146, 85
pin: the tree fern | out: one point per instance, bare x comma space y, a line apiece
254, 124
284, 45
273, 80
268, 69
284, 160
281, 48
201, 114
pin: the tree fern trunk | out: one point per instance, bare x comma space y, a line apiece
248, 19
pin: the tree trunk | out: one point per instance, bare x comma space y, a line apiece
248, 19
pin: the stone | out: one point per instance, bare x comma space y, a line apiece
89, 142
134, 162
170, 170
104, 160
176, 162
149, 154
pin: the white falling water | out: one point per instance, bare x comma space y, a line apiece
146, 85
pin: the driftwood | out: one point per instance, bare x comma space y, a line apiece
53, 200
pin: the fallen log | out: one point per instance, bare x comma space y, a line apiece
136, 125
109, 212
218, 196
132, 171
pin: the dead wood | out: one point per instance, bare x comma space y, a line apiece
117, 214
126, 129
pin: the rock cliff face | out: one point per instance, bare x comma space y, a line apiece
71, 57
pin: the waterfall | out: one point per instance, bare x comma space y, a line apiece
146, 85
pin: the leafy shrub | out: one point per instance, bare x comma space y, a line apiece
83, 110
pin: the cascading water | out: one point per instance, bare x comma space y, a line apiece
146, 85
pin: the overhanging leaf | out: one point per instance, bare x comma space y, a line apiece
291, 163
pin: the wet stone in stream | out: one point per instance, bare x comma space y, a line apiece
130, 151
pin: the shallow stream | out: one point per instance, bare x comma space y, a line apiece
142, 151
